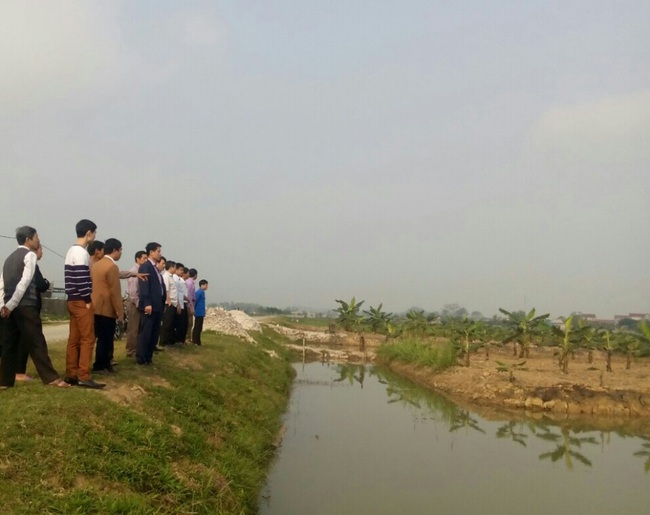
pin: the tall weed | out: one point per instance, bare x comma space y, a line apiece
436, 355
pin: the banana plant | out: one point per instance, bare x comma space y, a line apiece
466, 331
487, 335
378, 319
588, 338
510, 368
642, 337
631, 344
523, 328
417, 322
349, 317
393, 329
609, 344
566, 339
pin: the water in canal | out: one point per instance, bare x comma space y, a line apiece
361, 440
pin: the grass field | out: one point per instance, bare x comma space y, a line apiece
193, 433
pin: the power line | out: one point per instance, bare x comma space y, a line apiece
44, 246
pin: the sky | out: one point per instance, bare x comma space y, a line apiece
418, 153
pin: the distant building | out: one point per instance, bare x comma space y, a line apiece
632, 316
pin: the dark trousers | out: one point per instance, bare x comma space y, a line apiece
180, 326
21, 359
167, 331
196, 332
105, 333
190, 326
2, 334
23, 329
149, 331
132, 329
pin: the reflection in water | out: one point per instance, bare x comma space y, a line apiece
464, 420
564, 447
568, 447
351, 373
405, 392
514, 431
645, 452
406, 449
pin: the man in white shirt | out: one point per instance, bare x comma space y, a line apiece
19, 309
180, 321
171, 305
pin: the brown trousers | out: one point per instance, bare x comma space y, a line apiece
81, 342
133, 329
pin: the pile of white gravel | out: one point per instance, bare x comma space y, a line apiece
248, 323
234, 323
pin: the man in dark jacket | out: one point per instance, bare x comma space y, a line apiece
151, 302
19, 309
42, 285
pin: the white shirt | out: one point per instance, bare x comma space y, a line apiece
182, 290
23, 284
169, 282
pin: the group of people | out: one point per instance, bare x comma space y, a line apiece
163, 303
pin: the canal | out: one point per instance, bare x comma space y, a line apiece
362, 440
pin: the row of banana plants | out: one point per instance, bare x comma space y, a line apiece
521, 329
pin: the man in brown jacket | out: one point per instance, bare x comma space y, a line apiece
107, 300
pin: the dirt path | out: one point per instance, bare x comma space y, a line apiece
56, 333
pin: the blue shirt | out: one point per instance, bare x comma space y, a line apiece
199, 307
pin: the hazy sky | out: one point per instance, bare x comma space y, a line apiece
490, 154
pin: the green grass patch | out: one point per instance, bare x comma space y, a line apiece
193, 433
438, 355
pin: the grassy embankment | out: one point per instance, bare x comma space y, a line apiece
192, 434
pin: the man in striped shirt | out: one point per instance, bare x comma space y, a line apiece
78, 287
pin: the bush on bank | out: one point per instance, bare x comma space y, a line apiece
436, 355
192, 434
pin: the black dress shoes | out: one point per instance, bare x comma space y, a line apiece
89, 383
72, 381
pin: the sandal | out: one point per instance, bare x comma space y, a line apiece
59, 383
24, 377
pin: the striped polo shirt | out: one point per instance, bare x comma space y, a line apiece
77, 274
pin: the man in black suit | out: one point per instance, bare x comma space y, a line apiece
152, 299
